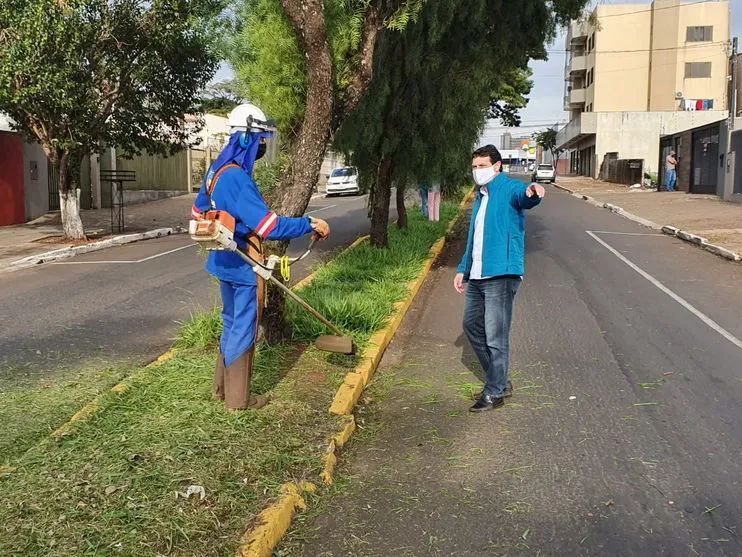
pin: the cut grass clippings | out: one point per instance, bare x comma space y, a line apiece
31, 406
117, 485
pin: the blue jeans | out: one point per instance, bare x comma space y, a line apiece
672, 179
424, 200
487, 317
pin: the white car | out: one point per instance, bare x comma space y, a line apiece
343, 180
544, 173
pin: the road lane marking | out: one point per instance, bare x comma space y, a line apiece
124, 262
628, 233
702, 316
320, 209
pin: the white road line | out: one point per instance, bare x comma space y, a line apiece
629, 233
702, 316
321, 209
124, 262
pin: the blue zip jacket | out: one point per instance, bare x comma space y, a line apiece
237, 193
503, 251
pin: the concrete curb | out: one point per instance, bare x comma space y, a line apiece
66, 253
689, 237
350, 391
273, 522
68, 429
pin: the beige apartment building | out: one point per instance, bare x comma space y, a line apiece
635, 72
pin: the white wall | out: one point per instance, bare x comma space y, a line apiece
36, 191
636, 135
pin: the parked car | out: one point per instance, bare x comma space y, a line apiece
544, 173
343, 180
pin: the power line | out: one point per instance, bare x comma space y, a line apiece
681, 5
702, 45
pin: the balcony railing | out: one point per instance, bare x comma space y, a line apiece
577, 31
578, 64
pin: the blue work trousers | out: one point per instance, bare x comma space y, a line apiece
240, 317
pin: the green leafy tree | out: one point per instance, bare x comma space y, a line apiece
76, 75
220, 98
434, 86
547, 139
307, 63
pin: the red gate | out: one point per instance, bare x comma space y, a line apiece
12, 206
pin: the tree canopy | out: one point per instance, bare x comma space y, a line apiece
547, 140
435, 83
78, 74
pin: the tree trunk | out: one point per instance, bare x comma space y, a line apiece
307, 150
68, 170
401, 209
380, 208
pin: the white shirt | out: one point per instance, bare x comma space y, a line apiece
478, 242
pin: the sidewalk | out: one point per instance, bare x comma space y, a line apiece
43, 234
705, 215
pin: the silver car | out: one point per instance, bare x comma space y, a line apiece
343, 180
544, 173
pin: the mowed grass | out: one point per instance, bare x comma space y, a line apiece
33, 405
117, 485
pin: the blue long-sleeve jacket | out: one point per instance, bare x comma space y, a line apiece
237, 193
504, 228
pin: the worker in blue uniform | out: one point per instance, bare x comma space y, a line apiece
229, 186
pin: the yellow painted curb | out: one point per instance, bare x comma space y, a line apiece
272, 522
350, 391
337, 442
67, 429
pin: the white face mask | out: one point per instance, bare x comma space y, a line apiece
483, 176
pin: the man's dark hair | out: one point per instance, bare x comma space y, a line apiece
488, 151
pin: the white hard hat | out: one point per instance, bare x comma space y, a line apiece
249, 117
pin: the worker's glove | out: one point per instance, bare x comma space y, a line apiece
321, 229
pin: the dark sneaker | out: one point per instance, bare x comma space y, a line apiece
507, 394
486, 402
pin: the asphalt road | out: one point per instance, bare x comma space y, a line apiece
124, 304
623, 437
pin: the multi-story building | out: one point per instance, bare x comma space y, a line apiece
635, 72
508, 142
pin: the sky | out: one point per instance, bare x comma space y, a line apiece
545, 107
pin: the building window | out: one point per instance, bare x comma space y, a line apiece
697, 69
591, 42
699, 34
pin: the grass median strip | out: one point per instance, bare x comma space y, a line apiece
162, 469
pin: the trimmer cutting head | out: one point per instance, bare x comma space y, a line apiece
336, 344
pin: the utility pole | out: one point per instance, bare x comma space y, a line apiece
729, 176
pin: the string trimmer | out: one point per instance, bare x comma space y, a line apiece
215, 231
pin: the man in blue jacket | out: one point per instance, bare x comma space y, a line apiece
229, 186
493, 267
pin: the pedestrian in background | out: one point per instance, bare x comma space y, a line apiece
671, 179
424, 199
493, 267
434, 202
